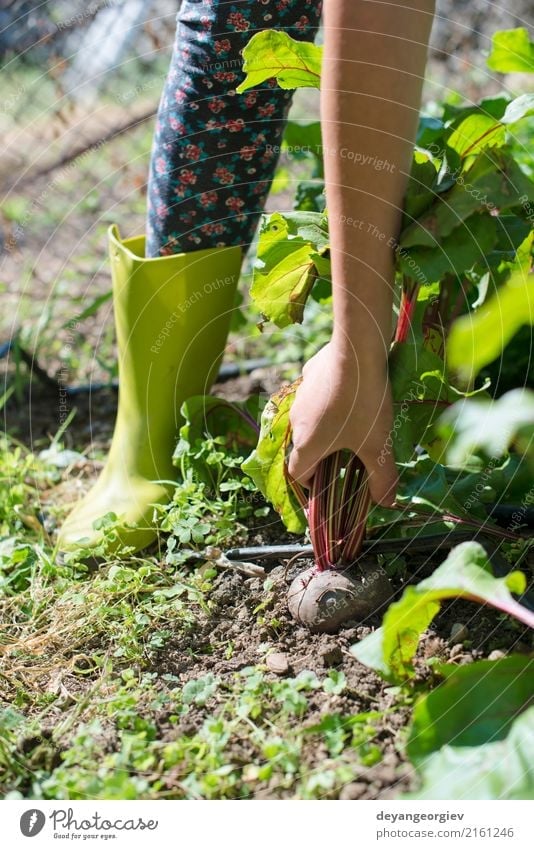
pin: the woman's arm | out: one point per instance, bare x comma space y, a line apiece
373, 71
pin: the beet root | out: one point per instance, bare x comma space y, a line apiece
323, 601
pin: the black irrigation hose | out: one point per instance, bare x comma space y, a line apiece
430, 543
370, 546
228, 371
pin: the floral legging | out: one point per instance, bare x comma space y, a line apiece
215, 151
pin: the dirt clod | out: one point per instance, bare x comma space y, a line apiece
278, 662
331, 654
355, 790
456, 650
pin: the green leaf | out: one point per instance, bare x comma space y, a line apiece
475, 705
420, 192
266, 464
272, 53
494, 106
419, 391
290, 259
310, 196
518, 108
491, 426
512, 233
426, 487
304, 140
209, 416
281, 295
335, 682
481, 130
478, 338
493, 181
305, 137
454, 254
512, 50
232, 424
497, 770
430, 131
508, 482
466, 573
429, 488
370, 652
199, 690
476, 132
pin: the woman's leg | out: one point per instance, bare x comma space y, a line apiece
214, 151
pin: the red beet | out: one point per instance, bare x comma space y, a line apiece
324, 600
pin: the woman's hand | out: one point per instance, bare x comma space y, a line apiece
341, 405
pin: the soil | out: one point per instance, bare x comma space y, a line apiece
296, 649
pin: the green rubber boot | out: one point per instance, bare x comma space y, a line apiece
172, 316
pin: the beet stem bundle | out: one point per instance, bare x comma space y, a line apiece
337, 509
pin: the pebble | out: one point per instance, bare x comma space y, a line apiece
277, 662
459, 633
496, 654
456, 650
353, 791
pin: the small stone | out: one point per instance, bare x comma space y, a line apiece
331, 655
277, 662
456, 650
496, 654
459, 633
387, 775
353, 791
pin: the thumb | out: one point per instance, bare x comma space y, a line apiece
383, 479
302, 465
